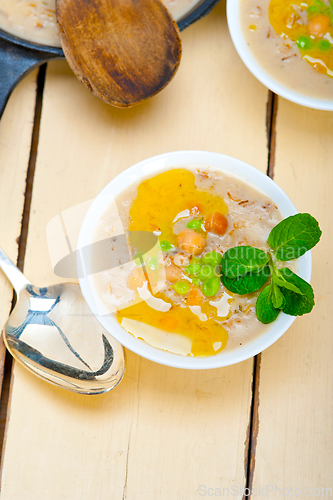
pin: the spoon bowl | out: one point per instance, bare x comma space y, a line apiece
52, 332
122, 51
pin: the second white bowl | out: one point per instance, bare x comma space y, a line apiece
259, 71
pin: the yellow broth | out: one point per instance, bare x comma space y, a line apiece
312, 32
165, 204
162, 198
208, 337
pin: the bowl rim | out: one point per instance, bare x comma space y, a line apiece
197, 13
214, 162
237, 36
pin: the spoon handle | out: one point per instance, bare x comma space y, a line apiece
17, 58
17, 279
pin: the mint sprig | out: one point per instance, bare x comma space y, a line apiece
246, 269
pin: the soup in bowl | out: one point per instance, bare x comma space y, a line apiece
153, 242
288, 46
36, 21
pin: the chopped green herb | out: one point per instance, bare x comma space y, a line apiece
212, 258
193, 268
194, 224
206, 272
166, 246
211, 287
324, 45
304, 42
181, 287
153, 263
313, 11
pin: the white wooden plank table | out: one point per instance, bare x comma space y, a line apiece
165, 433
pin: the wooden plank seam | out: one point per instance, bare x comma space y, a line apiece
6, 364
253, 427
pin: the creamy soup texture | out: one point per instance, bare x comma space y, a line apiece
36, 20
293, 41
167, 303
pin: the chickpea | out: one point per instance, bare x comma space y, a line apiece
191, 242
195, 207
318, 25
216, 223
136, 279
173, 273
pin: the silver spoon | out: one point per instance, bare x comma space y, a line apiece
53, 333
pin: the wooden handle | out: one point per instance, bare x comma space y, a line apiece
16, 60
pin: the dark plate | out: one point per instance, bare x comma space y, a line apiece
18, 57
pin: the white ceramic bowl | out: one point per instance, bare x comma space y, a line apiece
237, 35
149, 167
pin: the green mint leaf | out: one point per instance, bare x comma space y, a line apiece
294, 236
280, 280
277, 297
238, 261
248, 283
296, 304
266, 312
